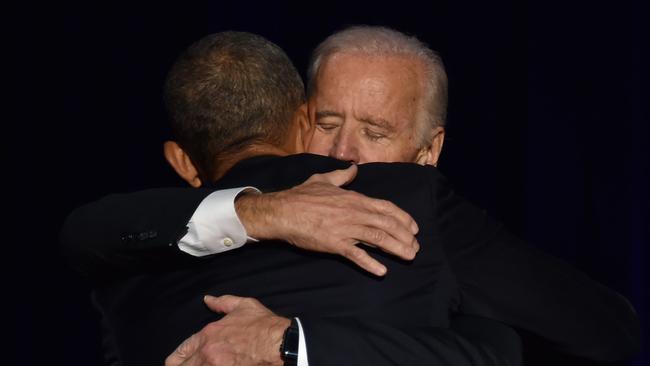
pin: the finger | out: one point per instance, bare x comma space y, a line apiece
362, 259
184, 351
390, 209
338, 178
196, 359
385, 232
222, 304
405, 249
397, 249
219, 354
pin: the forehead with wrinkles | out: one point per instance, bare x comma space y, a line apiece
377, 88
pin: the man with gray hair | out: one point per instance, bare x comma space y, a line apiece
378, 95
229, 88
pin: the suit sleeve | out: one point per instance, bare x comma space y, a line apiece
506, 279
471, 341
123, 234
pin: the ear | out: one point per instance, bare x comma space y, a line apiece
430, 154
182, 164
305, 128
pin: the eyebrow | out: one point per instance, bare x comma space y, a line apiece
327, 113
378, 122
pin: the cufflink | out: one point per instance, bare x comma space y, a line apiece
227, 242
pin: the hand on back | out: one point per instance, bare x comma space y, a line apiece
319, 215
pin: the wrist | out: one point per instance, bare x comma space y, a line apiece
258, 214
276, 338
249, 207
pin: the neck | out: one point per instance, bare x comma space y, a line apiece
224, 164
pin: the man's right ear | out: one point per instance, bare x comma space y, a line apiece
182, 164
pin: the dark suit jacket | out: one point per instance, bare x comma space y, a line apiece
468, 264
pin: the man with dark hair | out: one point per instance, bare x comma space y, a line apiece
482, 255
213, 109
150, 313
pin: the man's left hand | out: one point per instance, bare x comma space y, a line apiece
249, 334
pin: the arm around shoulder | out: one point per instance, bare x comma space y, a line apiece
129, 233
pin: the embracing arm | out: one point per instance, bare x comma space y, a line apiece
131, 233
250, 334
122, 234
506, 279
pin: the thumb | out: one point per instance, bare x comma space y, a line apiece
339, 177
184, 351
222, 304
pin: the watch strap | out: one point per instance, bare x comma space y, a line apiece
290, 344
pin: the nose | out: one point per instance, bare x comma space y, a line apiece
345, 147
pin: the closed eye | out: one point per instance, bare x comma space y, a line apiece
326, 126
373, 135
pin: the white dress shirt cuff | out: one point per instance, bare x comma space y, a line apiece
302, 346
214, 227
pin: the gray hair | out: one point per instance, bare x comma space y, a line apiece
382, 41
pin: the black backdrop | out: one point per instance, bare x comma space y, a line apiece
548, 129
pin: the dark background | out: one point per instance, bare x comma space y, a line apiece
548, 129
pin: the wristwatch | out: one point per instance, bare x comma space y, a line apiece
289, 347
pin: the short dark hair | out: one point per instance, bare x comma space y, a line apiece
227, 91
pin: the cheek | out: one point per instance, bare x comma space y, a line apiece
373, 152
320, 143
400, 151
407, 154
